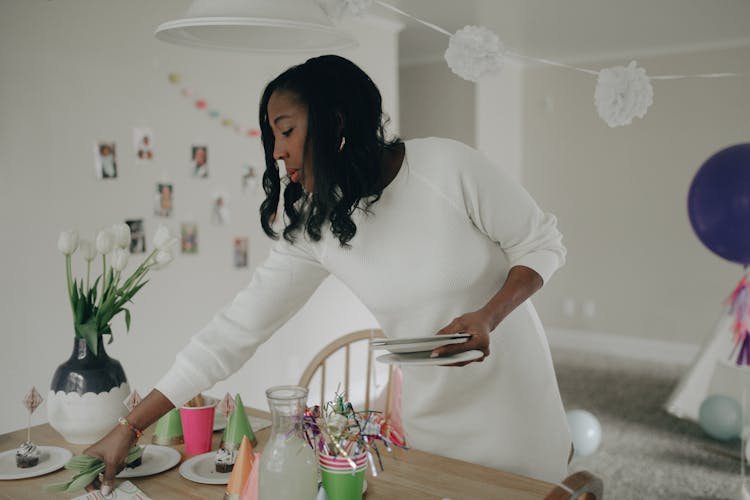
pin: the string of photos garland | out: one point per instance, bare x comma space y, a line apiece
144, 148
622, 93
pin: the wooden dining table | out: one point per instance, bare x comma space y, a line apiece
410, 474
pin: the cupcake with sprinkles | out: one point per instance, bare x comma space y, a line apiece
225, 459
27, 455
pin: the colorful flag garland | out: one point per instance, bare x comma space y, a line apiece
202, 104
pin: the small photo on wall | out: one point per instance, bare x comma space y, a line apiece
189, 237
199, 158
106, 164
164, 200
143, 140
137, 236
240, 252
220, 212
249, 178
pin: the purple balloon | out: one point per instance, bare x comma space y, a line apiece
719, 203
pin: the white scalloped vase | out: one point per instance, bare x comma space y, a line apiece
85, 419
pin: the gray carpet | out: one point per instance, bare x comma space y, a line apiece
645, 453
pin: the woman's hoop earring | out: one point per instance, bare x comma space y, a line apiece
343, 143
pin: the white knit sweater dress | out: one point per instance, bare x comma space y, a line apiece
438, 244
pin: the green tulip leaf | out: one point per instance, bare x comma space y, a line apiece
89, 332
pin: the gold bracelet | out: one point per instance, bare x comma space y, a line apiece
137, 431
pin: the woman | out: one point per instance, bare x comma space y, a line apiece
430, 236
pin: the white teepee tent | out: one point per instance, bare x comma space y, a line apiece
714, 371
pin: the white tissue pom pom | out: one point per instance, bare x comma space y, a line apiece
474, 52
622, 93
336, 9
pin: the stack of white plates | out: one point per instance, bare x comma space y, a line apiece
418, 344
417, 350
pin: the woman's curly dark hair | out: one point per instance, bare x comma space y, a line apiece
341, 100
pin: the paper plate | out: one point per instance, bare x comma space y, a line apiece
155, 459
51, 459
257, 423
201, 469
220, 421
421, 345
411, 340
424, 359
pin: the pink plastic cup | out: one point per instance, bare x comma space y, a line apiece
198, 427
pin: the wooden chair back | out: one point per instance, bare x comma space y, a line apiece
319, 363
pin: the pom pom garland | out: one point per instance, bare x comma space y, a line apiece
623, 93
474, 52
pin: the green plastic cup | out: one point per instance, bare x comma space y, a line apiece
343, 483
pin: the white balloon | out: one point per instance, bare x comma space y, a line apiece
585, 430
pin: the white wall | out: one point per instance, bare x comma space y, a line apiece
499, 118
78, 71
435, 102
620, 194
486, 114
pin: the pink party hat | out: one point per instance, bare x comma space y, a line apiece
242, 466
250, 491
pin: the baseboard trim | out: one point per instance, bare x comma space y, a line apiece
640, 348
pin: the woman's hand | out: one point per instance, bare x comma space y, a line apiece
478, 325
112, 449
520, 284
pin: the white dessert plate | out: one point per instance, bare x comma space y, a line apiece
202, 469
220, 421
51, 459
424, 359
411, 340
155, 459
257, 423
421, 345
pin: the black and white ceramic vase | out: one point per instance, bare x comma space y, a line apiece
87, 394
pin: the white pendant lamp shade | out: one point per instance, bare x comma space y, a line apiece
271, 26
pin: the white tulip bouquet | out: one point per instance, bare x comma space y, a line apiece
95, 305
